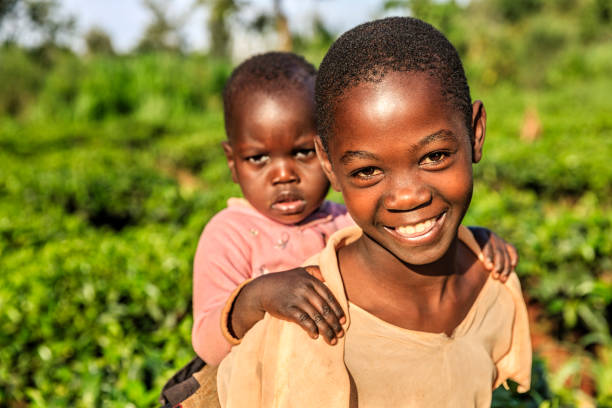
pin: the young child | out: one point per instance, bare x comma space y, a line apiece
426, 326
283, 219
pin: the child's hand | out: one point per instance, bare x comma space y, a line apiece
297, 295
500, 257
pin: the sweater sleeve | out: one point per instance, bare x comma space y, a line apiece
341, 216
344, 221
221, 264
516, 363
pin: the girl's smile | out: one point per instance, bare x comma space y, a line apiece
420, 232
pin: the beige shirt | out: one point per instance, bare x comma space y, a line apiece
279, 365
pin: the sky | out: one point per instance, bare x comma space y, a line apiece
125, 20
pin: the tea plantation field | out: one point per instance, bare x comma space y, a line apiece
110, 174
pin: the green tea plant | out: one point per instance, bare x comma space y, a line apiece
111, 167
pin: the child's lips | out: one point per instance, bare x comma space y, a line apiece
289, 203
290, 207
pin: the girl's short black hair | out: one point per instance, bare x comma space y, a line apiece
270, 72
396, 44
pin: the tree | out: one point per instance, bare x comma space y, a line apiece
276, 21
6, 8
438, 13
39, 17
98, 42
218, 27
162, 33
220, 12
282, 27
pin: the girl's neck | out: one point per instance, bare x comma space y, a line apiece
431, 298
375, 277
387, 267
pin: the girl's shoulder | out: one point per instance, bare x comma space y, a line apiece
482, 278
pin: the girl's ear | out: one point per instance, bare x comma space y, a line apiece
326, 164
479, 128
229, 155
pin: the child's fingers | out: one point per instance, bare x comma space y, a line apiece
507, 266
483, 237
511, 261
323, 328
507, 250
303, 319
488, 255
331, 301
324, 310
514, 256
499, 262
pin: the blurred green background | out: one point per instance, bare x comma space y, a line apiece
110, 166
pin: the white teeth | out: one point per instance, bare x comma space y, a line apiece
418, 228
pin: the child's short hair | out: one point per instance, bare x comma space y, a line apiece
396, 44
270, 72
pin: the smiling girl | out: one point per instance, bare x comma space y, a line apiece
426, 325
283, 218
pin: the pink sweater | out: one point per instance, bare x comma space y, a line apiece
239, 243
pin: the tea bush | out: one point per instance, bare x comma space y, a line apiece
111, 166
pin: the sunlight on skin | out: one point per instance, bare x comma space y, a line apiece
269, 109
385, 104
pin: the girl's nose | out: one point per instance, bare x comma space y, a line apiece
284, 172
407, 198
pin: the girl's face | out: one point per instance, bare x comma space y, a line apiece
402, 157
271, 154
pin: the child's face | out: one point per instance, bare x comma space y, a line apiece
402, 157
271, 154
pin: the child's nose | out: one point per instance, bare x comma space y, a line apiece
407, 197
284, 172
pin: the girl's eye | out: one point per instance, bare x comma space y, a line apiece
434, 158
258, 158
304, 153
367, 172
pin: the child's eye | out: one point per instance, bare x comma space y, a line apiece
435, 158
366, 173
304, 153
258, 158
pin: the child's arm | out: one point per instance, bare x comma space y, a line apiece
293, 295
297, 296
500, 256
221, 264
